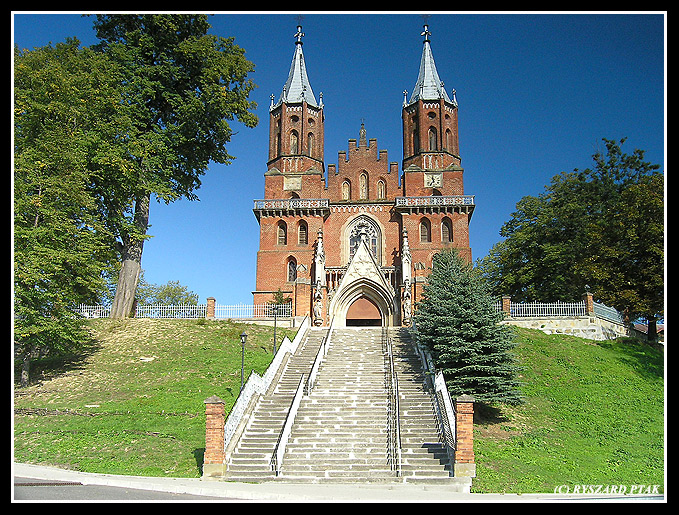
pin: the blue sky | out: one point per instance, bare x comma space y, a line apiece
537, 92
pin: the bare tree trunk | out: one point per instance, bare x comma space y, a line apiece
128, 279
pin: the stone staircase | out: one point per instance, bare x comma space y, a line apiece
250, 461
340, 430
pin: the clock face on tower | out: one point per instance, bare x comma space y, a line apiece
433, 180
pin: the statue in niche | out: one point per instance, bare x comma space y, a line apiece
318, 306
406, 302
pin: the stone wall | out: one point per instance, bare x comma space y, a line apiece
590, 327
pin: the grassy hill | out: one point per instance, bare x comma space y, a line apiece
594, 412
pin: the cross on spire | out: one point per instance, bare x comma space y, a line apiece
299, 35
426, 33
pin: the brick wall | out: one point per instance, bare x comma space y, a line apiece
214, 458
464, 439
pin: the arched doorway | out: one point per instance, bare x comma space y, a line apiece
364, 297
363, 312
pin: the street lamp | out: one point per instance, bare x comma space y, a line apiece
243, 339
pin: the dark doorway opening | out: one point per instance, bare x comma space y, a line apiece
360, 322
363, 312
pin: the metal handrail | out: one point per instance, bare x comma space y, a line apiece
279, 450
322, 351
393, 417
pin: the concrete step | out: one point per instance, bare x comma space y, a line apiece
340, 431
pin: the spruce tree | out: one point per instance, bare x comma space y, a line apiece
457, 322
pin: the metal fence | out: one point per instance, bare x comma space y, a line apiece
560, 309
547, 309
607, 313
253, 310
195, 311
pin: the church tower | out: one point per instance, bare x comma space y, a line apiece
431, 153
296, 131
291, 214
435, 212
355, 247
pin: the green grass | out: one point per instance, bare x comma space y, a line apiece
133, 405
594, 411
594, 415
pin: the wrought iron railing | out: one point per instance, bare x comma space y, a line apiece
393, 410
607, 313
443, 404
279, 450
322, 351
561, 309
194, 311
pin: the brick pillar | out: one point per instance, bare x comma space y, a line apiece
464, 437
210, 313
506, 303
589, 303
213, 460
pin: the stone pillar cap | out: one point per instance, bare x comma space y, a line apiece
213, 400
465, 398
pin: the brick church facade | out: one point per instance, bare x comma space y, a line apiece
354, 246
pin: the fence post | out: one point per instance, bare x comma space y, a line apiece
210, 310
506, 302
214, 458
464, 437
589, 303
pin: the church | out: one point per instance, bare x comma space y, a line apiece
353, 247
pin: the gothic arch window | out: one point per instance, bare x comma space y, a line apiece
381, 190
278, 137
282, 233
346, 190
365, 227
425, 231
302, 233
292, 269
294, 142
310, 144
363, 186
432, 139
446, 230
448, 139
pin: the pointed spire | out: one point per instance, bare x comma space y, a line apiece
297, 88
428, 85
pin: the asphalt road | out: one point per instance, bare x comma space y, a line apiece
38, 483
30, 489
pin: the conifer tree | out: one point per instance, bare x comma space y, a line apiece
457, 323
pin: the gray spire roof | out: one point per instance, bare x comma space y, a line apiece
297, 88
428, 86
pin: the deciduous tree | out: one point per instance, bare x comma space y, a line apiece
183, 87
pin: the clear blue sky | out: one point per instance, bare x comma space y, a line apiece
536, 93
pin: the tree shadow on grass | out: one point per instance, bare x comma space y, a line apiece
199, 456
485, 414
645, 359
51, 366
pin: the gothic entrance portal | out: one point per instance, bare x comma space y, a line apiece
363, 312
364, 297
